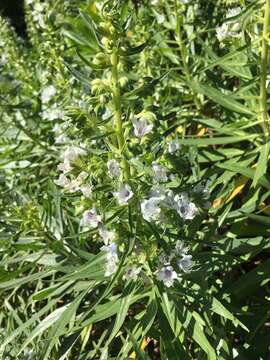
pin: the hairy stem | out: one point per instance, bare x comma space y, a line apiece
118, 112
264, 58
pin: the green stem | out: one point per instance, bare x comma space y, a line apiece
118, 112
264, 58
183, 54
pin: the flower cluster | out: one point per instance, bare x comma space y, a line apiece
183, 263
231, 27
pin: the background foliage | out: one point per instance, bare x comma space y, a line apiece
56, 302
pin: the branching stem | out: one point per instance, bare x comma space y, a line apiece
118, 111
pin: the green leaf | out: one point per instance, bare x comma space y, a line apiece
218, 97
262, 163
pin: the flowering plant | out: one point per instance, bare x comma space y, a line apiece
126, 126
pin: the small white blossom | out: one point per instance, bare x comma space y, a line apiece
132, 273
86, 190
141, 127
90, 218
185, 208
113, 168
106, 235
160, 174
167, 275
173, 146
65, 167
233, 12
73, 152
111, 258
62, 181
222, 32
150, 209
185, 263
47, 93
123, 194
53, 113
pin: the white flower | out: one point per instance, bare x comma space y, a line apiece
167, 275
186, 209
173, 146
47, 93
160, 174
150, 209
185, 263
86, 190
233, 12
106, 235
90, 218
63, 138
62, 181
53, 113
113, 168
111, 258
65, 167
73, 152
73, 186
132, 273
123, 194
222, 32
141, 127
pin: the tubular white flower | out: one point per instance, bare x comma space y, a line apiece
65, 167
132, 272
62, 181
73, 152
173, 146
90, 218
167, 275
186, 209
86, 190
106, 235
111, 258
123, 194
141, 127
150, 209
222, 32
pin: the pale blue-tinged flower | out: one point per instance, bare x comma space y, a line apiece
132, 272
107, 236
65, 167
150, 209
86, 190
173, 146
167, 275
62, 181
111, 258
90, 218
185, 208
123, 194
141, 127
73, 152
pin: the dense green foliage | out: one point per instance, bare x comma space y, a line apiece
134, 187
